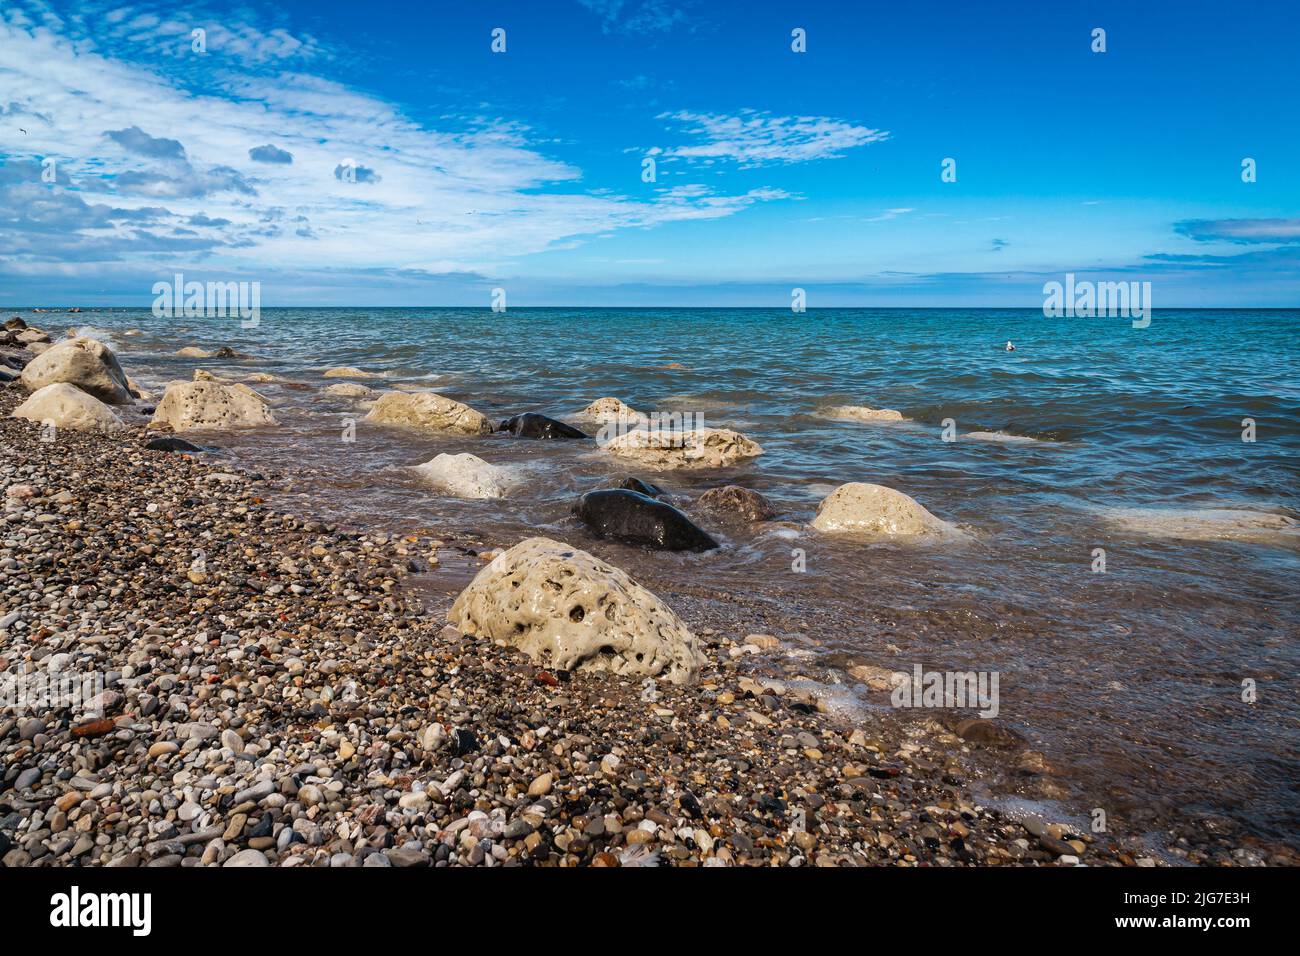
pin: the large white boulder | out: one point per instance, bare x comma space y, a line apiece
428, 410
465, 476
196, 405
86, 363
568, 610
665, 449
67, 406
874, 510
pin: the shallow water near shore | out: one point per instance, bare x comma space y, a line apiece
1130, 681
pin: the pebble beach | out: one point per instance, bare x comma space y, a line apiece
279, 690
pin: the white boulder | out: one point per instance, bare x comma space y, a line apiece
428, 410
466, 476
874, 510
568, 610
66, 406
196, 405
347, 371
88, 364
665, 449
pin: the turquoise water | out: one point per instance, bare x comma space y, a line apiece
1111, 437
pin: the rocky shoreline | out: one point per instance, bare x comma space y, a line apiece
276, 692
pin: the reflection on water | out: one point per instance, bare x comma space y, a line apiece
1130, 680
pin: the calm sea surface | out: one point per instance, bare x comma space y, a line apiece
1129, 440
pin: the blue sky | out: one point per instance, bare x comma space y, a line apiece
383, 154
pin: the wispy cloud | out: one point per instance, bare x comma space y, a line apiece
638, 16
752, 138
1240, 230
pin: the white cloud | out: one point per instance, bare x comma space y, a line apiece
470, 198
752, 138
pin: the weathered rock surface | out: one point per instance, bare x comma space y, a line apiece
197, 405
568, 610
428, 410
347, 371
692, 448
67, 406
350, 390
466, 476
606, 410
873, 510
861, 413
88, 364
733, 501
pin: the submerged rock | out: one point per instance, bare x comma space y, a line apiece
692, 448
533, 425
639, 519
88, 364
642, 487
861, 413
737, 502
865, 509
193, 351
172, 443
465, 476
191, 405
348, 371
428, 410
568, 610
350, 390
67, 406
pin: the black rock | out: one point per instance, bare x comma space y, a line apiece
642, 487
171, 443
639, 519
532, 425
463, 741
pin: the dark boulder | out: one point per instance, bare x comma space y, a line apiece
532, 425
172, 443
639, 519
642, 487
